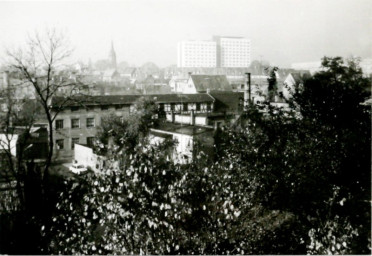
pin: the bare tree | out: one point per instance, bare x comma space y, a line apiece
11, 166
39, 64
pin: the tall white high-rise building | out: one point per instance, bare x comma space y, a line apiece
233, 52
197, 54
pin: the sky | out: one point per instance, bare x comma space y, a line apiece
281, 31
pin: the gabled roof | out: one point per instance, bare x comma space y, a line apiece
212, 82
227, 101
299, 77
128, 99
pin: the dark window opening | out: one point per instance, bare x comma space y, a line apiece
60, 144
197, 106
90, 141
90, 122
59, 124
75, 123
185, 107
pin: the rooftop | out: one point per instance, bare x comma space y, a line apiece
190, 130
211, 82
129, 99
228, 101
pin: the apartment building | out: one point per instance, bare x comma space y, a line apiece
197, 54
233, 52
225, 52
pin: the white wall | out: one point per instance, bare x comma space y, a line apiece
184, 145
183, 119
189, 87
201, 120
84, 155
9, 141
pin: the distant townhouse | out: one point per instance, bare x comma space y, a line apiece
177, 83
132, 73
111, 76
203, 83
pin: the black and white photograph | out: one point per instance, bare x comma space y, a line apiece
185, 127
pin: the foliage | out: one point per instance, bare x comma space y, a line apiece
280, 184
155, 207
123, 134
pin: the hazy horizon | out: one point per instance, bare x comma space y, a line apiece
281, 32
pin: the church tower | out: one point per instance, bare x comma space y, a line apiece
112, 56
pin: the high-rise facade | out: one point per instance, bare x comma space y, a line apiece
197, 54
233, 52
226, 52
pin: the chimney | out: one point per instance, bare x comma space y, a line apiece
192, 117
190, 73
247, 90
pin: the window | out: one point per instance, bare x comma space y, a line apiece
178, 107
161, 106
167, 107
60, 144
208, 106
73, 142
104, 107
74, 109
90, 122
185, 107
90, 141
118, 107
59, 124
197, 106
75, 123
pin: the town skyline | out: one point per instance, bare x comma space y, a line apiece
147, 31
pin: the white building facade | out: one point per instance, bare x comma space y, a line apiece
197, 54
225, 52
233, 52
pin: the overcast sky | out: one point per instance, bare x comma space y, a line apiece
281, 32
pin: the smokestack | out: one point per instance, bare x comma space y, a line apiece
192, 117
247, 90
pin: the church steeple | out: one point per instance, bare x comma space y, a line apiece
112, 56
